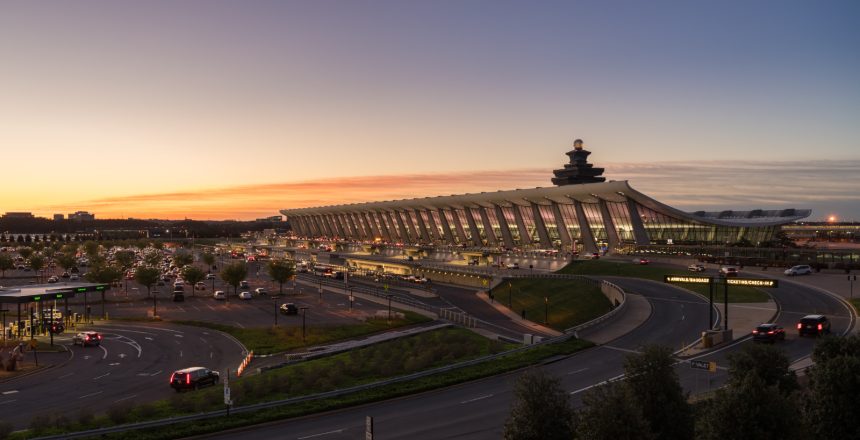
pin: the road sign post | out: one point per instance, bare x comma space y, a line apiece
368, 428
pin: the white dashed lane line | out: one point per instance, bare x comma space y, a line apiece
90, 395
103, 375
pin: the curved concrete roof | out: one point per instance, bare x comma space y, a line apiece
612, 191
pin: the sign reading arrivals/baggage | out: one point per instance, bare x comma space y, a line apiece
687, 279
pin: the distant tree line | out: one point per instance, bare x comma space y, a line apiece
179, 228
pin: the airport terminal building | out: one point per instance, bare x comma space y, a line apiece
582, 212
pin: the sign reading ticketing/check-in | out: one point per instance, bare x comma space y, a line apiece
754, 282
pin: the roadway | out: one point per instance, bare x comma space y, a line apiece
477, 410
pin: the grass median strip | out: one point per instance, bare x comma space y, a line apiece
737, 294
363, 366
268, 340
561, 303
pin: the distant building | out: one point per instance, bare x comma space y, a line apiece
274, 218
81, 216
18, 215
59, 217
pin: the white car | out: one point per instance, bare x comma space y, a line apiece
803, 269
210, 276
245, 295
219, 295
74, 277
261, 291
696, 268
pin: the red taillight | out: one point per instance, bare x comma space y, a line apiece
100, 336
770, 332
188, 379
799, 326
755, 332
820, 327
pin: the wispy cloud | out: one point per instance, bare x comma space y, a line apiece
825, 186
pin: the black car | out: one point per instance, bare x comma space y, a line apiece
815, 325
178, 296
768, 333
289, 309
193, 378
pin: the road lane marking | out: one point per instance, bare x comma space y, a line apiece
202, 340
113, 364
238, 324
91, 394
179, 336
180, 353
577, 371
103, 375
7, 401
625, 350
338, 431
148, 338
105, 350
125, 398
66, 375
156, 373
611, 379
211, 355
9, 392
476, 399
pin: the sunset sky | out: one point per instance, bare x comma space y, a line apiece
235, 109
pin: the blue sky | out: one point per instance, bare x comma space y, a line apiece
164, 97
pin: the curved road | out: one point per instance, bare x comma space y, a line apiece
132, 364
477, 410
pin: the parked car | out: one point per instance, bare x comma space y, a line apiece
768, 333
65, 275
512, 265
696, 268
74, 277
245, 295
728, 271
261, 291
803, 269
243, 284
289, 309
178, 296
641, 261
193, 378
219, 295
815, 325
210, 276
87, 338
53, 279
200, 285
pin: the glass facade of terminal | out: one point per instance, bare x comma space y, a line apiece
575, 225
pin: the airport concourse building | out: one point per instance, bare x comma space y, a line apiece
582, 213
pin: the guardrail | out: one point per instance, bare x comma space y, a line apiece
615, 310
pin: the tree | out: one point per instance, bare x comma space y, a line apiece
749, 408
182, 259
233, 274
67, 262
611, 412
37, 263
192, 275
6, 263
91, 248
541, 409
655, 387
834, 388
152, 258
125, 259
767, 362
148, 277
103, 273
25, 252
208, 259
281, 271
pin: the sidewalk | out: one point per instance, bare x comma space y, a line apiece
538, 329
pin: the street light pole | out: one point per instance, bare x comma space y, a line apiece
546, 310
510, 297
851, 280
389, 308
304, 312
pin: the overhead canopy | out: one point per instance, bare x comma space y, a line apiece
46, 292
